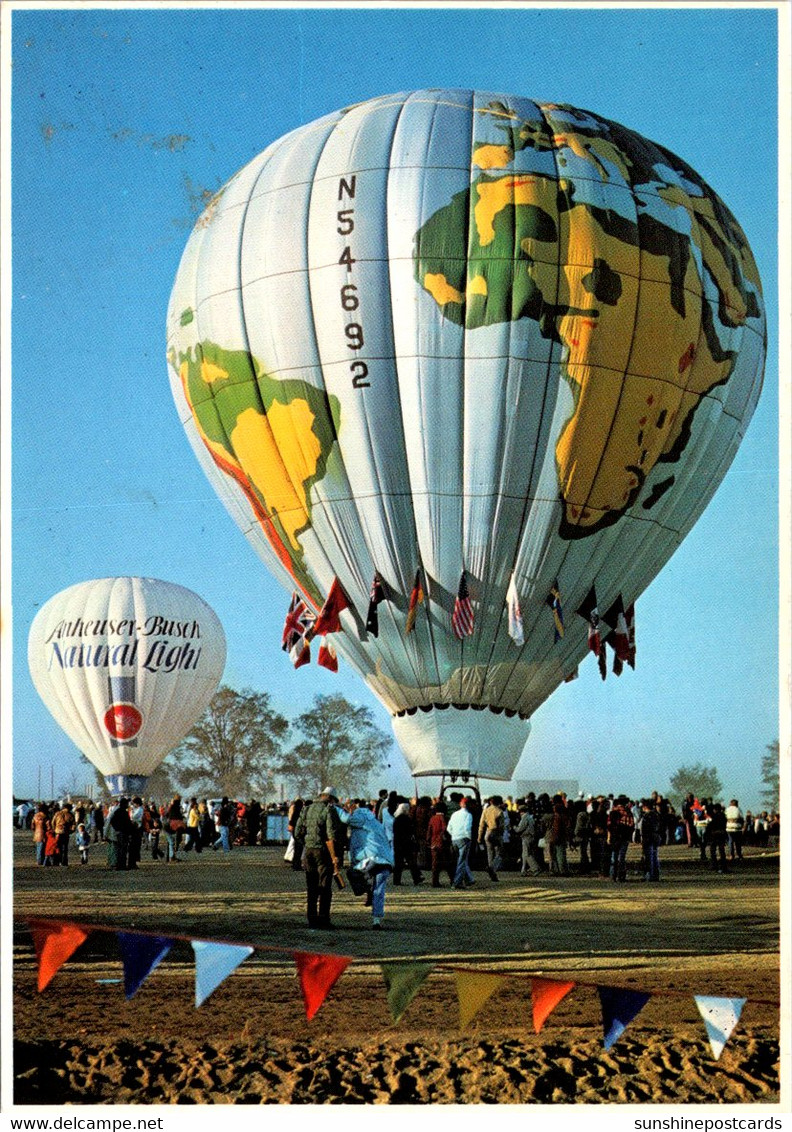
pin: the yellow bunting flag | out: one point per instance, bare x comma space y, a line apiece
55, 942
546, 995
473, 990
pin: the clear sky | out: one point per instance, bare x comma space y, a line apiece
122, 118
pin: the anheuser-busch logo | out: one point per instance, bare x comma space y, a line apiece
123, 721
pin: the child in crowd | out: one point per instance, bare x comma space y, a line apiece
83, 839
51, 856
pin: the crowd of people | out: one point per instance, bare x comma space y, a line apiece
129, 828
532, 834
416, 838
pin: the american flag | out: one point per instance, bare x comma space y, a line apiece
299, 620
462, 620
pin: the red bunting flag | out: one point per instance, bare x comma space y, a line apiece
546, 995
55, 942
318, 975
328, 620
618, 637
589, 612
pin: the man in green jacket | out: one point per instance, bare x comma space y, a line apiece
319, 827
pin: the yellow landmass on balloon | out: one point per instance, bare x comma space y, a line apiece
636, 366
211, 372
494, 196
493, 156
441, 290
591, 150
477, 285
279, 453
718, 263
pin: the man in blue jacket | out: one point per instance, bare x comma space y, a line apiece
370, 852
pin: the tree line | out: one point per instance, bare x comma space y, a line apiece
704, 781
241, 744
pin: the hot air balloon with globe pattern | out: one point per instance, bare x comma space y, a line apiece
455, 334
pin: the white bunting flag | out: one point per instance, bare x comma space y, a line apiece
720, 1016
214, 962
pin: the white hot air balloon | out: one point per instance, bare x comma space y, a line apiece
504, 345
126, 666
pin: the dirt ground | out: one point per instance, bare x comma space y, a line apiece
82, 1042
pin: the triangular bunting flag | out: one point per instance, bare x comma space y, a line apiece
140, 954
403, 981
318, 974
589, 612
619, 1007
629, 617
54, 942
473, 990
546, 995
214, 962
720, 1016
618, 637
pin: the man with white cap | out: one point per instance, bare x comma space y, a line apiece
319, 828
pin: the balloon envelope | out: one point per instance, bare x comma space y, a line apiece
450, 331
126, 666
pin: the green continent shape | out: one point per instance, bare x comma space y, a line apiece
272, 437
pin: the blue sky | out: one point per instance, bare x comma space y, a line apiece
122, 118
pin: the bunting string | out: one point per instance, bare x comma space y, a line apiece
57, 940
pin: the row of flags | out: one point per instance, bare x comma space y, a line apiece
55, 941
615, 628
302, 625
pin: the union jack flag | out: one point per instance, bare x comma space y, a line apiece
299, 621
462, 619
